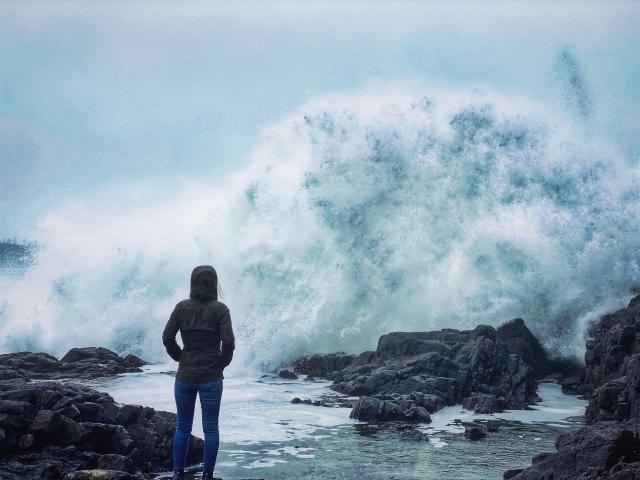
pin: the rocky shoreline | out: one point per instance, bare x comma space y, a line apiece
53, 428
609, 448
77, 363
411, 375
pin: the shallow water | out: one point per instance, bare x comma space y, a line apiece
263, 435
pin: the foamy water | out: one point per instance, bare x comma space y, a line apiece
253, 409
262, 431
400, 207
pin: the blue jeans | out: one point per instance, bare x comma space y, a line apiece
210, 395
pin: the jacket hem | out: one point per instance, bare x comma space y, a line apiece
217, 375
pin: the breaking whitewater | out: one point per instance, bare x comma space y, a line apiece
360, 214
402, 209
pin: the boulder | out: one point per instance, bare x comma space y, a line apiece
287, 374
116, 462
373, 410
613, 340
488, 367
572, 385
53, 428
321, 365
101, 475
94, 362
474, 432
46, 421
483, 403
30, 363
87, 362
135, 361
128, 414
90, 353
519, 340
608, 449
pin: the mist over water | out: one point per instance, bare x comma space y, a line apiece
394, 207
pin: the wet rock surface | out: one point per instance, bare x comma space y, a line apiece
321, 365
612, 371
609, 448
101, 474
475, 433
54, 429
287, 374
78, 363
605, 450
400, 408
413, 374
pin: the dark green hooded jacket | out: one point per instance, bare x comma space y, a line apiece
205, 327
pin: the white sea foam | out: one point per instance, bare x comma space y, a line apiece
555, 409
257, 410
395, 208
253, 410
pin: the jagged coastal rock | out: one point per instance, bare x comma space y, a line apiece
609, 448
56, 429
50, 428
413, 374
78, 363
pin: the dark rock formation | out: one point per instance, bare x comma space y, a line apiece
613, 340
605, 450
88, 362
485, 368
612, 370
112, 461
572, 385
400, 408
101, 474
321, 365
519, 340
287, 374
483, 403
327, 400
610, 447
51, 428
474, 432
413, 373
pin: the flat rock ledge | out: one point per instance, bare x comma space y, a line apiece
410, 375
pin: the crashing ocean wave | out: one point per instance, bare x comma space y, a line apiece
387, 209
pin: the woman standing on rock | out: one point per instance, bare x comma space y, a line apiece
208, 343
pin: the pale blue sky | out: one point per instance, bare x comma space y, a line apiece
96, 96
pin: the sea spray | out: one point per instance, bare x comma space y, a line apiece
396, 208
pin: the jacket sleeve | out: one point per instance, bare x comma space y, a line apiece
227, 339
169, 336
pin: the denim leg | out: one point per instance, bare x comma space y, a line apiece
185, 394
210, 396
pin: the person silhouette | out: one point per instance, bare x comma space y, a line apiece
208, 342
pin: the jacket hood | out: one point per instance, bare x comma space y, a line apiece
204, 283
